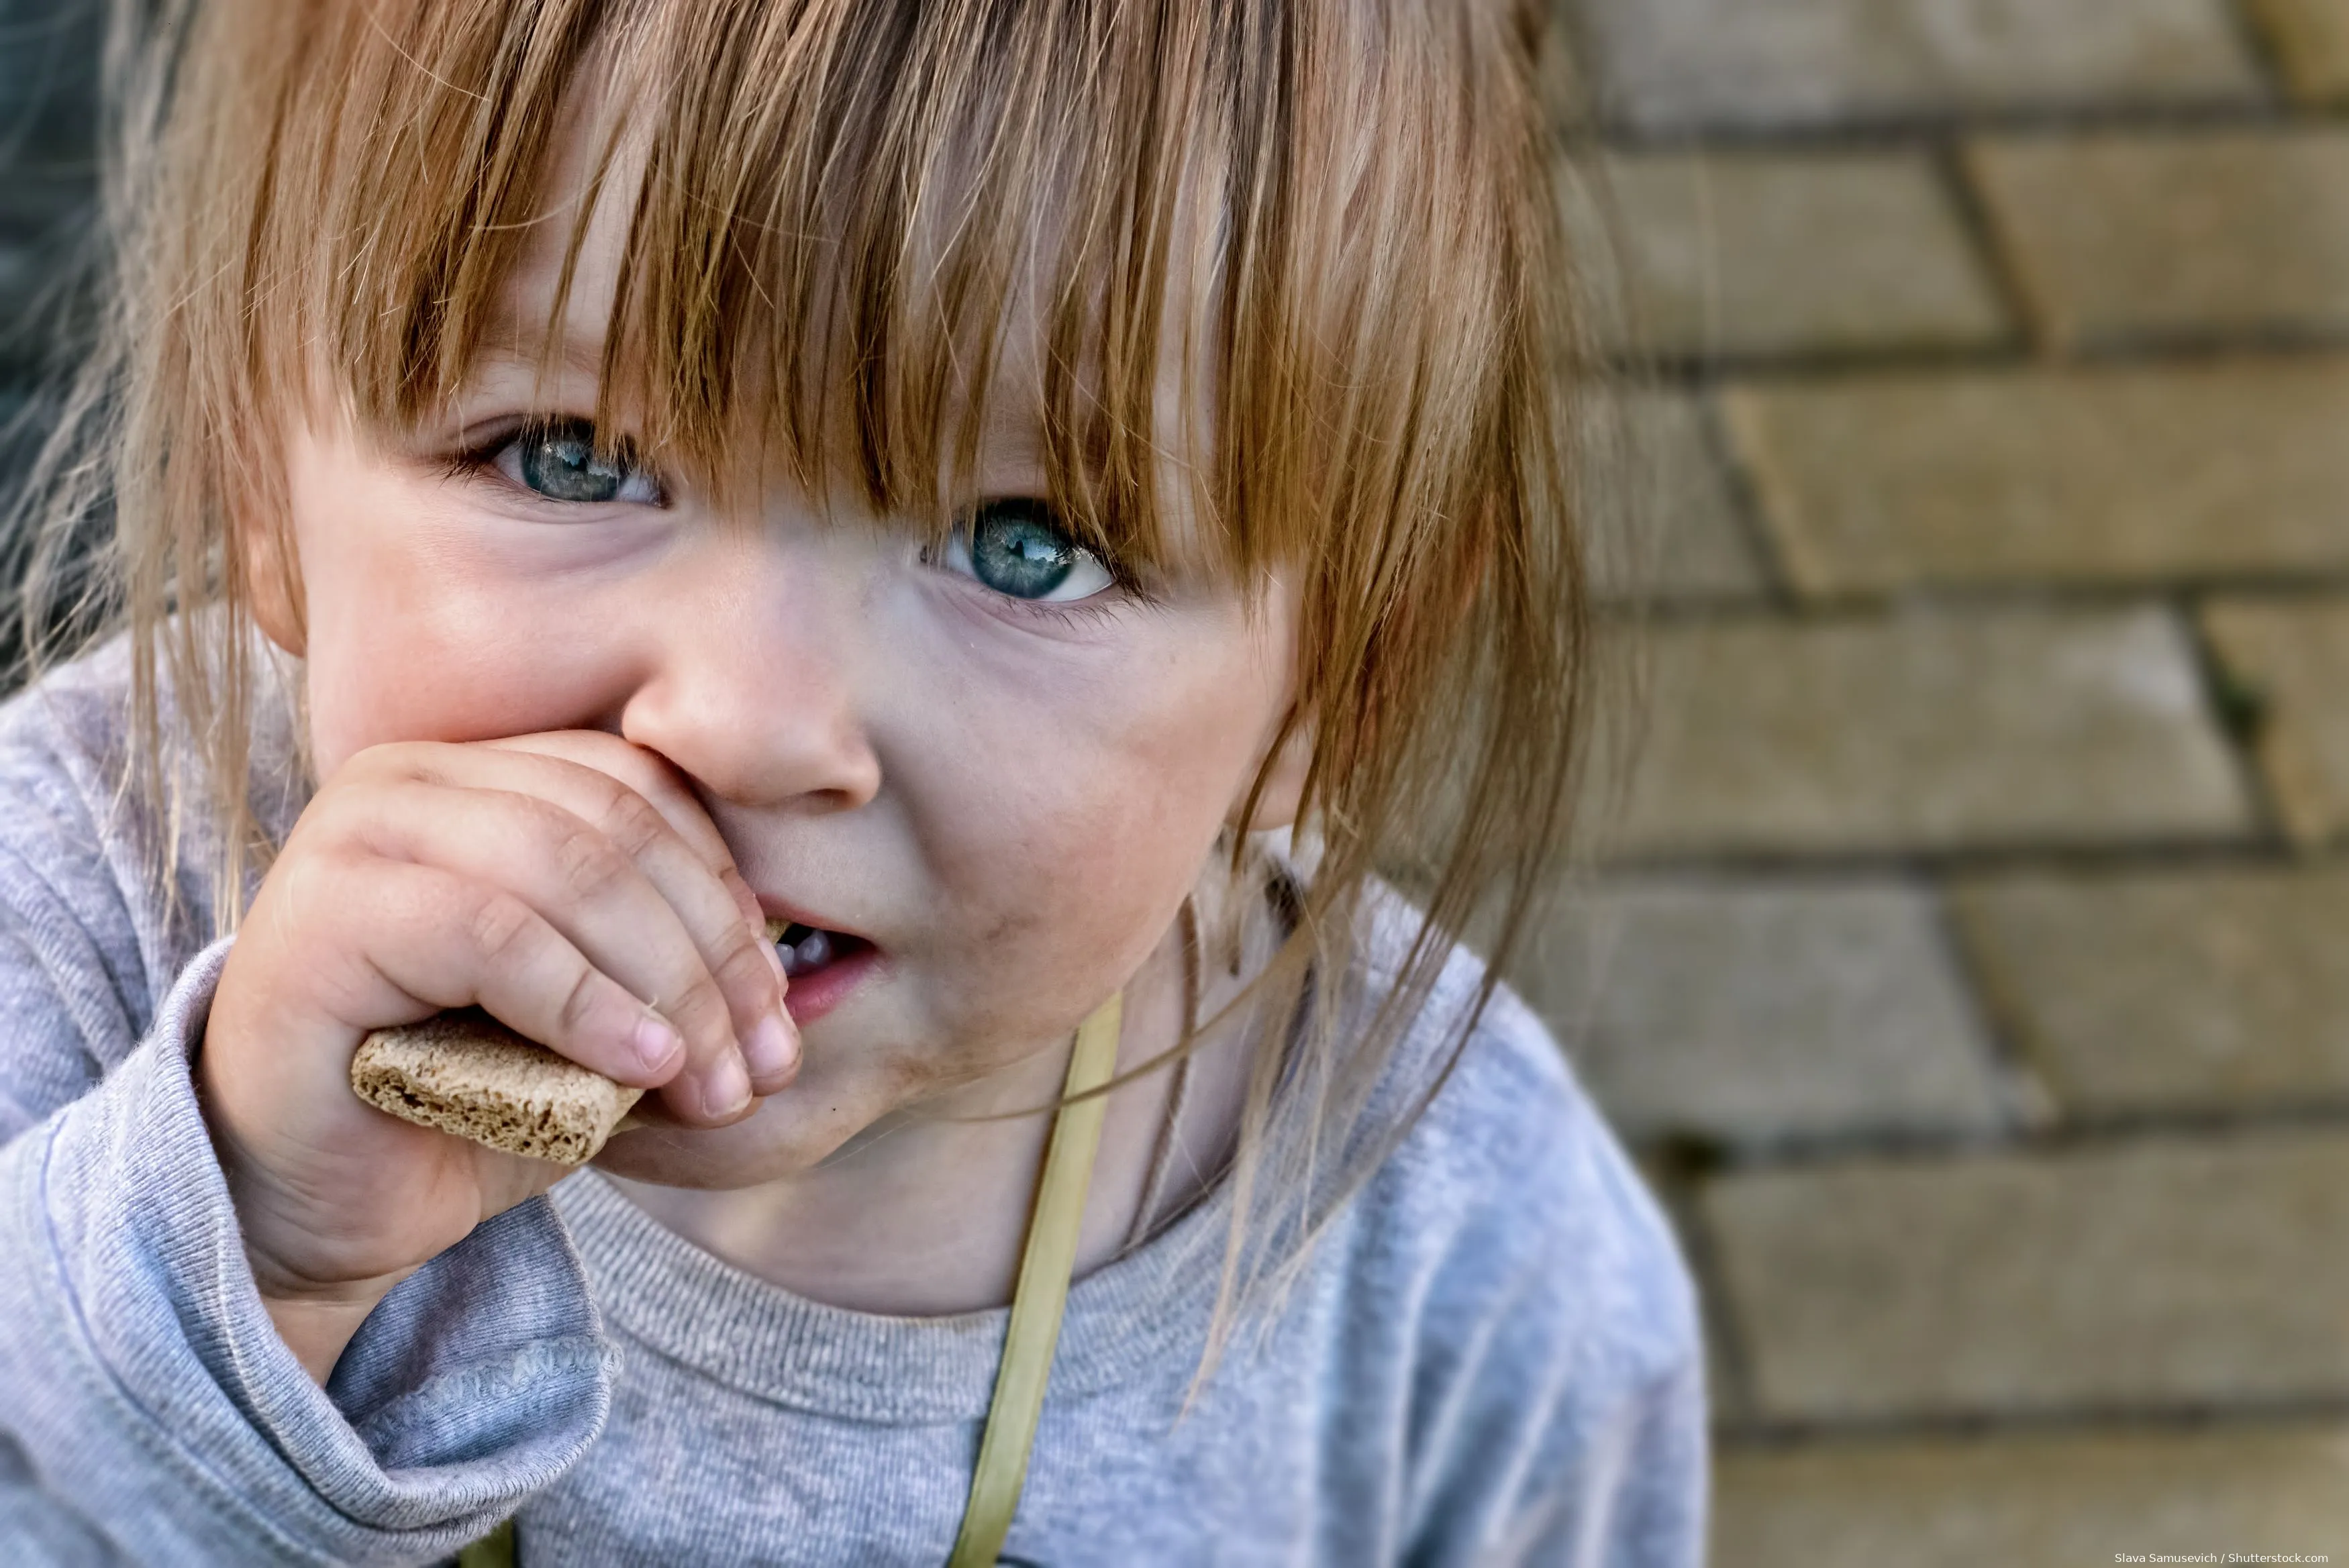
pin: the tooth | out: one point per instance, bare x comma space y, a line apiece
815, 952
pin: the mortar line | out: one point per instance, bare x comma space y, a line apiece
1887, 128
1746, 503
2216, 678
1996, 247
1780, 1434
2026, 1082
2261, 47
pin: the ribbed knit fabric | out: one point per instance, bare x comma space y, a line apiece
1492, 1358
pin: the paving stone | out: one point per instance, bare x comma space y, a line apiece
2291, 660
1750, 1012
2091, 477
2034, 1498
1929, 730
1664, 64
1685, 539
2126, 238
2155, 1275
1766, 252
2171, 990
2311, 39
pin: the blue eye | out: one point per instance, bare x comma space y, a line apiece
1018, 549
560, 462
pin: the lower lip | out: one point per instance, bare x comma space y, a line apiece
810, 997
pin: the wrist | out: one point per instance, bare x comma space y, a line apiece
319, 1323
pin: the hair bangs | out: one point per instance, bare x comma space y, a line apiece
861, 237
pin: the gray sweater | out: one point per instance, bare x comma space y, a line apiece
1492, 1358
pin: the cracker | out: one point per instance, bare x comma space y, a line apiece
464, 1072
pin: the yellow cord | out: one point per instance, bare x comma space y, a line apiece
1043, 1290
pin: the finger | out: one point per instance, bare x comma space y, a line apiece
658, 781
645, 771
689, 864
452, 941
595, 892
573, 767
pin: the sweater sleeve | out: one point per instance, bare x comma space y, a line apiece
148, 1412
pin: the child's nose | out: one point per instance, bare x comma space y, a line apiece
749, 681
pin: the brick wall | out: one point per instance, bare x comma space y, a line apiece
1970, 962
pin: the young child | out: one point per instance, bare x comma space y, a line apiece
1042, 498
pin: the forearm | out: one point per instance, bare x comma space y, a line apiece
163, 1402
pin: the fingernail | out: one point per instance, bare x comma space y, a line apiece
726, 1088
768, 1052
656, 1042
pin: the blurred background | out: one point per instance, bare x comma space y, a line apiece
1970, 966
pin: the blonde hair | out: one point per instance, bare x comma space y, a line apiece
839, 201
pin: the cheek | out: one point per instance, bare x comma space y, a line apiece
1074, 833
413, 632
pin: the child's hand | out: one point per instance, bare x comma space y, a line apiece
560, 881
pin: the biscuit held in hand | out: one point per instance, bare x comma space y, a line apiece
464, 1072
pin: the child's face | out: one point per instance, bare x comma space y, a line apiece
1007, 798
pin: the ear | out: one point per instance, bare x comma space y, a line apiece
272, 578
1282, 796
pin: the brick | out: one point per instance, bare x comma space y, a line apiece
1742, 254
2311, 39
2120, 477
2155, 1275
1929, 730
2167, 991
1666, 63
2291, 661
2120, 239
2073, 1498
1757, 1012
1685, 539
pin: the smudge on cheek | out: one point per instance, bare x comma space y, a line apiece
1051, 918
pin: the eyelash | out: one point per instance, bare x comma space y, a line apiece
478, 461
1125, 592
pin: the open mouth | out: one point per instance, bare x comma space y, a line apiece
805, 950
